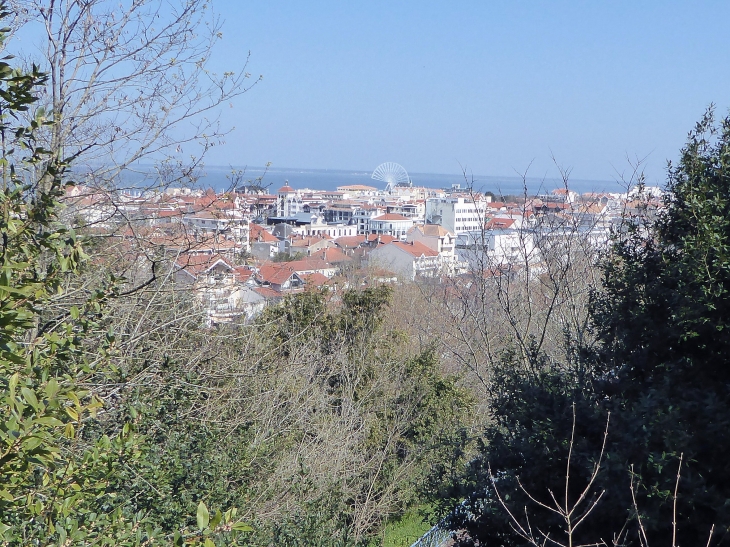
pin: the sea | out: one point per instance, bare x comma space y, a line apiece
224, 178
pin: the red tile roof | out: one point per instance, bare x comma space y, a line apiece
499, 223
350, 242
268, 293
331, 255
432, 230
309, 264
415, 248
384, 238
195, 264
259, 234
315, 279
276, 273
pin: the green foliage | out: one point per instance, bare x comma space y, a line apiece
403, 531
59, 482
660, 368
288, 257
313, 419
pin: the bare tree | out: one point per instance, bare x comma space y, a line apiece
131, 82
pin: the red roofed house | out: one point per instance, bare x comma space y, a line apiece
312, 265
263, 244
434, 237
569, 196
315, 280
279, 276
332, 255
308, 246
500, 223
410, 260
375, 240
350, 243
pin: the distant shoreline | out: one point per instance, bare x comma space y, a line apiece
218, 178
329, 179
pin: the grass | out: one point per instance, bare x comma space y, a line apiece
404, 531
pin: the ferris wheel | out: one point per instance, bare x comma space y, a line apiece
392, 174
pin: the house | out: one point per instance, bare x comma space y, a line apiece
312, 265
363, 214
390, 224
332, 255
279, 276
500, 242
566, 195
307, 246
218, 285
348, 244
410, 260
434, 237
263, 244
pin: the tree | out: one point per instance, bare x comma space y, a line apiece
131, 82
56, 479
660, 368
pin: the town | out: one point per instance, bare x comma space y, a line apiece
242, 249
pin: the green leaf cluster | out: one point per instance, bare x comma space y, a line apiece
661, 369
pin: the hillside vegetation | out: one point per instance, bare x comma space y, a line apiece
584, 402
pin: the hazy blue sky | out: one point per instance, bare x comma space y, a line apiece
489, 85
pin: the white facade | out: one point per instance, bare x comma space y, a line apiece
390, 224
501, 245
289, 202
318, 228
457, 214
434, 237
362, 217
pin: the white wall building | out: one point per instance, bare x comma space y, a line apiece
457, 214
289, 202
362, 216
317, 227
434, 237
390, 224
501, 242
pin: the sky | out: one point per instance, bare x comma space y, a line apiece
495, 88
498, 88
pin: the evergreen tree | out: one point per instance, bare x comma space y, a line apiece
662, 371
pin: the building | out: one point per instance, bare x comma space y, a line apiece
409, 260
363, 214
434, 237
289, 202
219, 286
458, 214
390, 224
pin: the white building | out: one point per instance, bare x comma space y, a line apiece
458, 214
434, 237
362, 216
289, 202
317, 227
500, 243
390, 224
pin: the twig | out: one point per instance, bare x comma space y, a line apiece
674, 503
